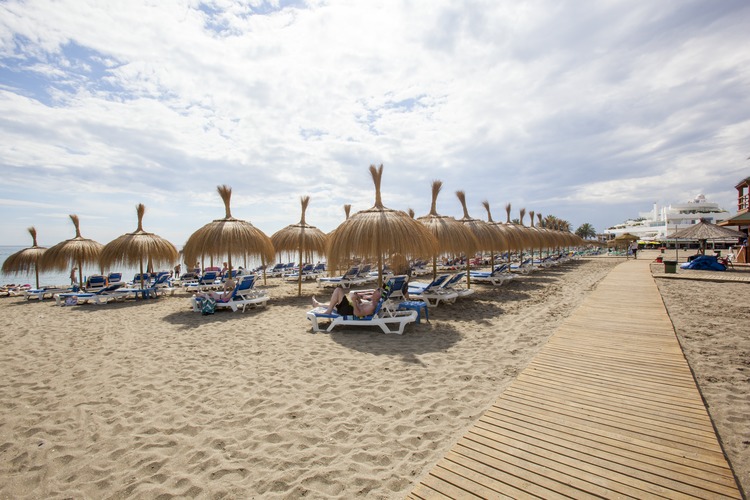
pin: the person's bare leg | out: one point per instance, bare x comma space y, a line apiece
336, 297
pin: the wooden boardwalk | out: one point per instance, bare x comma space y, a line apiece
608, 408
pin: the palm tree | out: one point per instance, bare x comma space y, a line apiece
586, 231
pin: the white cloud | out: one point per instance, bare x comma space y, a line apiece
572, 108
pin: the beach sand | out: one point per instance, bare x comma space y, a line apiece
711, 321
152, 400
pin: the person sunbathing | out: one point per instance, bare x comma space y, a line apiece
355, 303
219, 296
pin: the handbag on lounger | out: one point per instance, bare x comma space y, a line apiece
208, 306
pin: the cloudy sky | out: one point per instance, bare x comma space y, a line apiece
587, 110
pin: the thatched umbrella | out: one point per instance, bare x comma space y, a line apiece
704, 231
532, 236
135, 248
518, 231
625, 239
78, 251
25, 260
228, 237
451, 235
511, 237
379, 232
487, 238
303, 237
542, 237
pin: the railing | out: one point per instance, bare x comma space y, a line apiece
742, 202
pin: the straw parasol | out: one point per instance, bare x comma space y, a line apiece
451, 235
704, 231
133, 248
302, 237
625, 239
78, 251
487, 238
228, 237
523, 239
379, 232
511, 237
25, 260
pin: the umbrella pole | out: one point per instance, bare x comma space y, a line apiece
380, 270
80, 273
434, 267
141, 274
299, 274
36, 271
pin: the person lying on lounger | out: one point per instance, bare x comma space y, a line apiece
219, 296
356, 303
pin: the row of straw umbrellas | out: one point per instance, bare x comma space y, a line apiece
377, 234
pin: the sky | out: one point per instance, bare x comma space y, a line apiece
591, 111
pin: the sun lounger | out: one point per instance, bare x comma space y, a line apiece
307, 273
498, 276
388, 320
275, 271
209, 281
95, 282
456, 284
524, 267
116, 291
163, 285
243, 295
43, 293
346, 280
434, 292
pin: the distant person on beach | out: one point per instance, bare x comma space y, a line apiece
634, 249
356, 303
73, 278
177, 270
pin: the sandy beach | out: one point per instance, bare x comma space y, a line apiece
148, 399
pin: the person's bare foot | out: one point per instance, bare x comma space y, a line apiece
315, 302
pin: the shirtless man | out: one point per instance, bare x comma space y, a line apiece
356, 303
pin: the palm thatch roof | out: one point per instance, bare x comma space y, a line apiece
451, 235
626, 237
379, 232
139, 246
228, 237
25, 260
488, 238
704, 230
522, 237
301, 237
513, 240
532, 236
78, 252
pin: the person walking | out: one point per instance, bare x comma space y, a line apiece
634, 249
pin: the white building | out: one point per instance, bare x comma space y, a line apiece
656, 224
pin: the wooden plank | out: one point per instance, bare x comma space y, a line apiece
604, 446
589, 456
608, 408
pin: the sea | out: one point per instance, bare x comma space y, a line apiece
62, 278
53, 278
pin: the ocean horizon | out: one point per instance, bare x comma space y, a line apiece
52, 277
